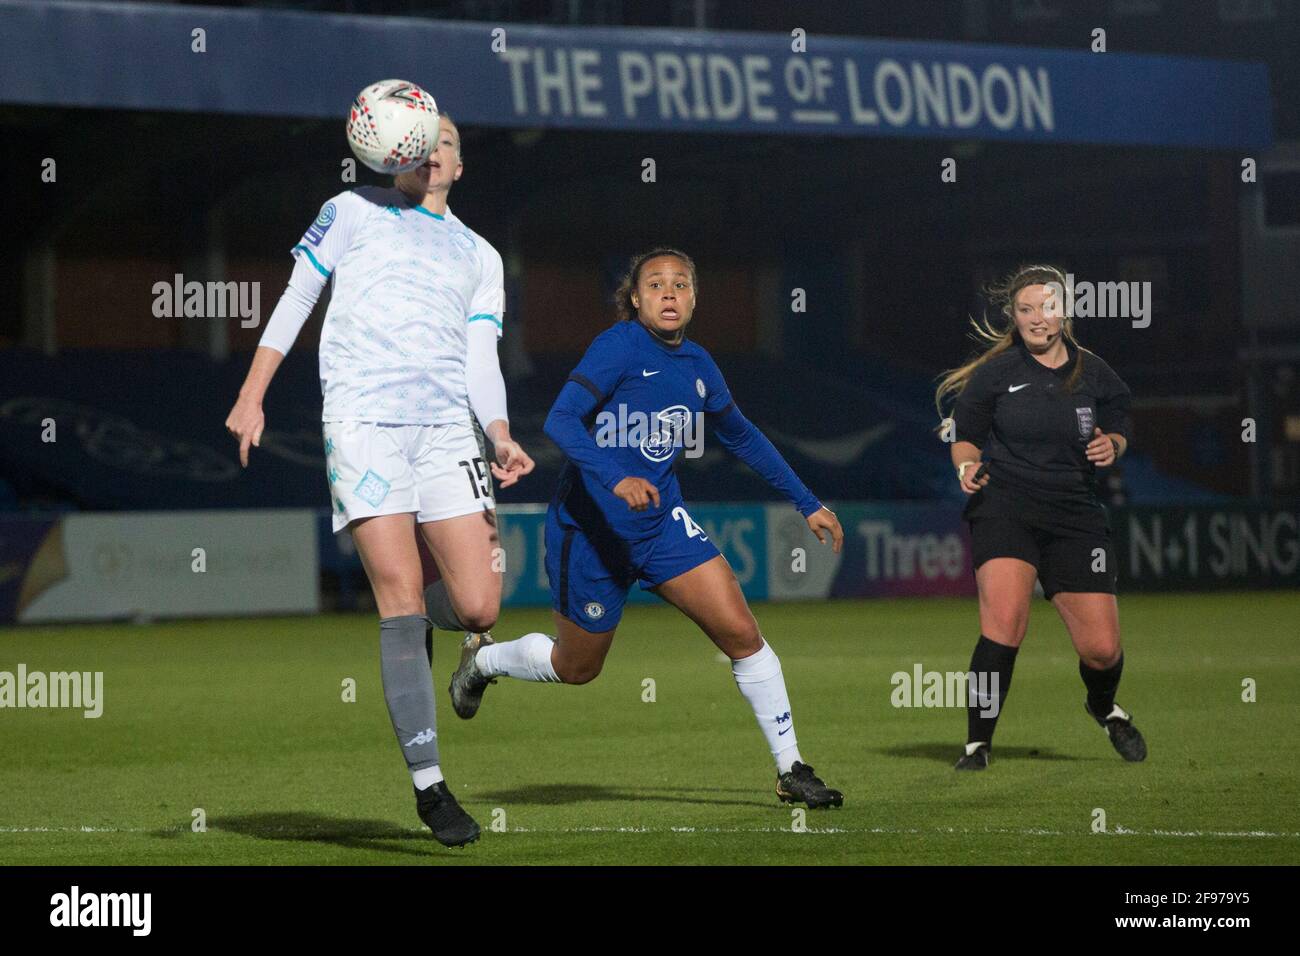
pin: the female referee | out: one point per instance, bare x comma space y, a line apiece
1035, 416
408, 346
618, 516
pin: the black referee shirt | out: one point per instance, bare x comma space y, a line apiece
1032, 431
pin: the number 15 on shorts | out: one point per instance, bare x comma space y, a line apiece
476, 470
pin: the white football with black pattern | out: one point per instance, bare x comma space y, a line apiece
393, 126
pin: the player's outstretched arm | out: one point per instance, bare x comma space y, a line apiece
822, 523
596, 377
743, 439
564, 426
512, 462
487, 399
246, 421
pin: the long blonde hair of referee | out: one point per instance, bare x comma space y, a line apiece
997, 339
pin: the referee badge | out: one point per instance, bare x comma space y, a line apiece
1085, 422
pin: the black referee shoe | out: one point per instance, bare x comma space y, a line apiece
800, 785
450, 824
976, 760
1124, 737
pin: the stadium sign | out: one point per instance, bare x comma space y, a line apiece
891, 549
153, 565
139, 565
629, 79
1238, 546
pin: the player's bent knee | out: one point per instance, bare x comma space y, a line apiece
1005, 629
480, 622
579, 673
1102, 657
743, 640
479, 615
395, 600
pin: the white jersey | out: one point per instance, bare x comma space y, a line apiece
406, 285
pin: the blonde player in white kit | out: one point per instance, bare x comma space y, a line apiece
408, 348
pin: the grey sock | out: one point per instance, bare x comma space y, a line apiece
408, 688
437, 604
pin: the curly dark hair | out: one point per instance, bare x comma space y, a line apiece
627, 285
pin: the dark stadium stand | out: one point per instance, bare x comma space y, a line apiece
144, 430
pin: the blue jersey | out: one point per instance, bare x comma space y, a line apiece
629, 409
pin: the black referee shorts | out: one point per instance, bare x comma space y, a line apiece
1073, 562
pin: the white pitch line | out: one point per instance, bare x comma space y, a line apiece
965, 831
86, 829
831, 831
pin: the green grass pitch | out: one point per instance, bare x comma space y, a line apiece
245, 720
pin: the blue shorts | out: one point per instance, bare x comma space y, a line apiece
590, 575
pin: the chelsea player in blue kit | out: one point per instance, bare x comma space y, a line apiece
618, 516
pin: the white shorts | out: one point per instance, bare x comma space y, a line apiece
435, 471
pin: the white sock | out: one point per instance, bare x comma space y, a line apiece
528, 658
427, 777
759, 679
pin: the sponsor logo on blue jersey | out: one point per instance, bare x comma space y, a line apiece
658, 438
660, 444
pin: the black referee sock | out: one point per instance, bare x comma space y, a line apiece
991, 662
1102, 686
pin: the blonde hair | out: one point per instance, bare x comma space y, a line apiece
997, 338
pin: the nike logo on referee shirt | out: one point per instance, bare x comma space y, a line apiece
1016, 388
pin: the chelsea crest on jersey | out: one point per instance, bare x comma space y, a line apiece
405, 285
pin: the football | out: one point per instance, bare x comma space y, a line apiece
393, 126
